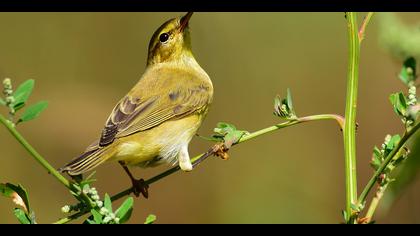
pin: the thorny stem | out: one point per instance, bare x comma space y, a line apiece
51, 170
197, 159
351, 108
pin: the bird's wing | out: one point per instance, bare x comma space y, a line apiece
132, 115
166, 99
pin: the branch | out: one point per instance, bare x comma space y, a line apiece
51, 170
198, 159
388, 159
351, 105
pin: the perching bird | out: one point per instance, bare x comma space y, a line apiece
156, 120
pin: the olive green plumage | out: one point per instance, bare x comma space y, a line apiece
157, 119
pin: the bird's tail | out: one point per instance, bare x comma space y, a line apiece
89, 160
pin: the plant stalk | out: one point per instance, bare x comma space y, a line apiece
351, 105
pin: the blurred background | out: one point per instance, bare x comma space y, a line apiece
83, 63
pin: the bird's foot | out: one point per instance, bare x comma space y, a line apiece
140, 187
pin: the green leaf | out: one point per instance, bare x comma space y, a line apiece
22, 93
21, 216
6, 191
228, 133
125, 210
399, 103
284, 107
107, 202
408, 72
344, 214
376, 158
2, 102
90, 222
96, 216
9, 190
289, 102
150, 219
33, 111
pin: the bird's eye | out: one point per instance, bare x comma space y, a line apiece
164, 37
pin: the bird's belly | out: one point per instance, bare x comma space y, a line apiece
158, 145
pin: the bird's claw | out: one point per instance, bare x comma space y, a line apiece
140, 187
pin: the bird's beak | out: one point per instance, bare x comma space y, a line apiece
183, 23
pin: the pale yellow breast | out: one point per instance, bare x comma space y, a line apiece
163, 141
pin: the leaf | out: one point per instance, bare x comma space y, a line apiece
18, 194
2, 102
289, 102
22, 93
107, 202
89, 221
125, 210
408, 72
228, 133
150, 219
376, 158
399, 103
284, 107
96, 216
33, 111
21, 216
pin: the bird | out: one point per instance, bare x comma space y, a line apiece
155, 122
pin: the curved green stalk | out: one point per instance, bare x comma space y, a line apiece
51, 170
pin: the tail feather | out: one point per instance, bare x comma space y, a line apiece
87, 161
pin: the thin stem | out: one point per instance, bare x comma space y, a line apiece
350, 124
34, 153
128, 191
374, 203
51, 170
362, 29
388, 159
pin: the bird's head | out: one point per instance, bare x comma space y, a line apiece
171, 41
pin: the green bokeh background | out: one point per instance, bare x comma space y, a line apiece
83, 63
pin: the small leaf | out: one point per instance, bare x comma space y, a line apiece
344, 214
90, 222
21, 216
125, 210
284, 107
107, 202
33, 111
376, 158
22, 93
150, 219
289, 101
399, 103
96, 216
18, 194
2, 102
228, 133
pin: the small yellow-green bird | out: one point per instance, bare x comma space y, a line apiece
156, 120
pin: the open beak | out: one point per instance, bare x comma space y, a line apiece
183, 23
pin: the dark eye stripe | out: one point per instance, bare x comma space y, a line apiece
164, 37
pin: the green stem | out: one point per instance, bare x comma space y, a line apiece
51, 170
128, 191
388, 159
350, 124
9, 125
